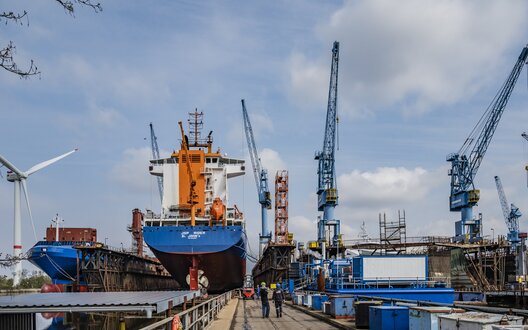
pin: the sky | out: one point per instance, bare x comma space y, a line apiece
414, 78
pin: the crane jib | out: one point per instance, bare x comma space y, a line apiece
466, 171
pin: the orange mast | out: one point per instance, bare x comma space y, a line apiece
192, 192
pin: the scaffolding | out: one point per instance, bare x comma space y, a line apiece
281, 207
393, 233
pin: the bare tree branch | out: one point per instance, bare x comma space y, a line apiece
6, 54
10, 16
8, 63
9, 260
68, 5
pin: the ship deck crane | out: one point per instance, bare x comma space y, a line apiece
156, 155
192, 193
261, 180
193, 270
327, 185
511, 215
466, 162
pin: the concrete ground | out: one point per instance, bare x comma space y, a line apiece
247, 314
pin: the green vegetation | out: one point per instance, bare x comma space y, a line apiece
35, 280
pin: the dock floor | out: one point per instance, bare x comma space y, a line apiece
242, 314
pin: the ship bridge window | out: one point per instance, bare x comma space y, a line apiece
208, 160
215, 160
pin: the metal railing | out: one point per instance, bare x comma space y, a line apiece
199, 316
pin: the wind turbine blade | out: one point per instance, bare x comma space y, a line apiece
11, 167
24, 188
48, 162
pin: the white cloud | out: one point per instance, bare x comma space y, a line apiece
302, 228
113, 80
416, 54
272, 162
130, 171
386, 186
105, 116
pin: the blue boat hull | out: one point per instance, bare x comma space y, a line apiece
219, 251
58, 261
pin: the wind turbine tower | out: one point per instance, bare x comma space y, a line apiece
19, 179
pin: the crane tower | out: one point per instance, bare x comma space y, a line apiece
466, 162
261, 180
327, 196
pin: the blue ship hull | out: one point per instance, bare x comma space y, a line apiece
57, 259
219, 251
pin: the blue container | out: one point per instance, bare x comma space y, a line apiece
317, 301
389, 318
361, 309
342, 307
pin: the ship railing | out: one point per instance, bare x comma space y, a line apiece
350, 282
232, 220
355, 243
199, 316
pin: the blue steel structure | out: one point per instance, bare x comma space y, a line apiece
156, 155
327, 197
511, 216
261, 180
465, 163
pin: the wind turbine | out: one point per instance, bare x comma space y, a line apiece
19, 179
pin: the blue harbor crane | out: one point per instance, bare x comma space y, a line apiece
465, 163
327, 197
156, 155
261, 179
511, 216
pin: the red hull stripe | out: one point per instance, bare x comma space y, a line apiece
17, 246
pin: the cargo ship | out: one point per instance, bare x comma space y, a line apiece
198, 236
56, 255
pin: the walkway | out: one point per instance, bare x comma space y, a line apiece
250, 318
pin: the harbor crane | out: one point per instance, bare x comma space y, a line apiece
466, 162
261, 180
511, 215
327, 196
156, 155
